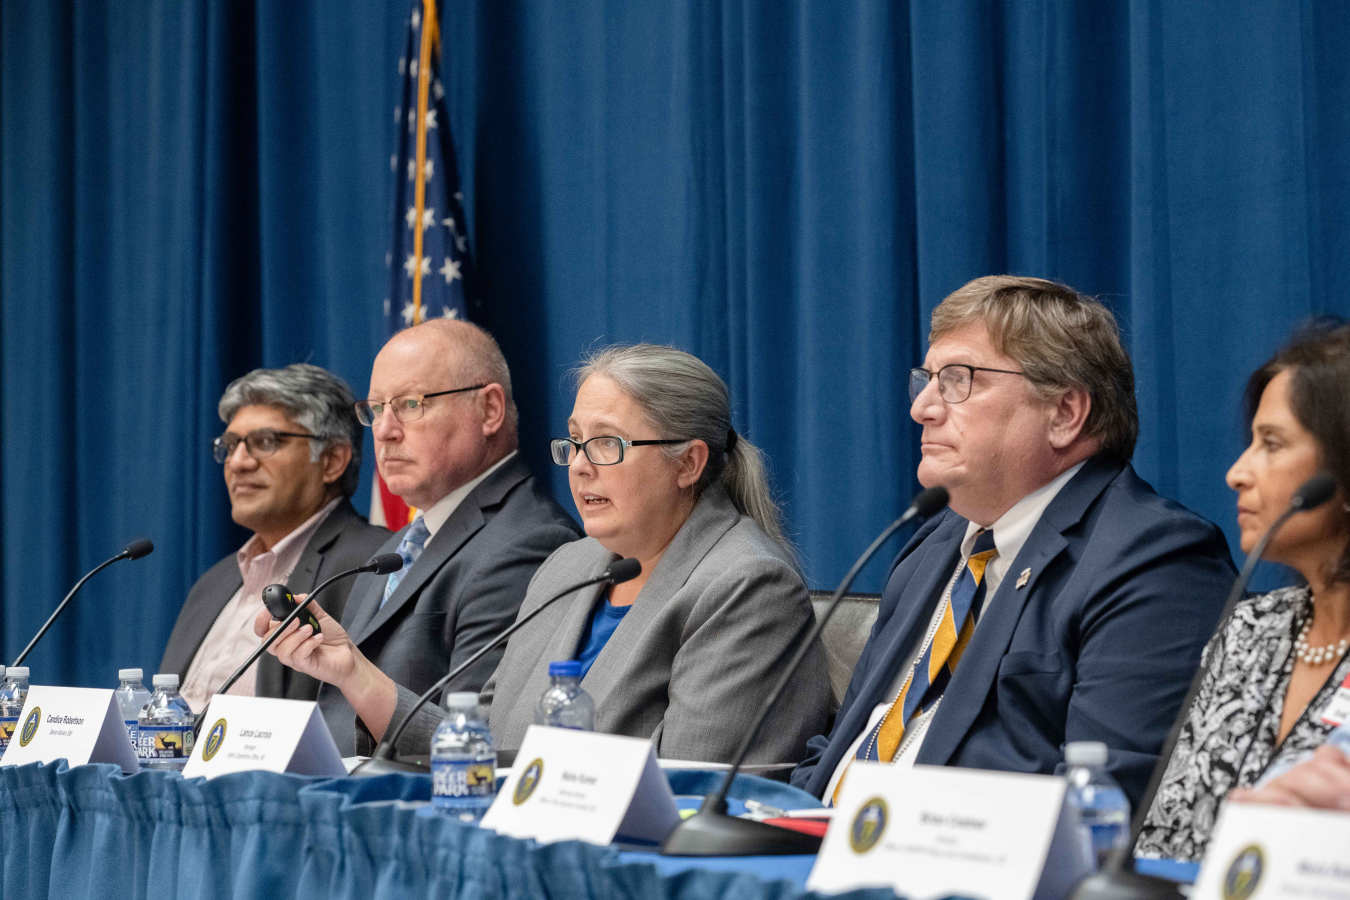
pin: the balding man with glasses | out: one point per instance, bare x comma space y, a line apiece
444, 423
1059, 598
291, 454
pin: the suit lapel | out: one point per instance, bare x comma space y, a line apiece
553, 637
302, 577
462, 525
364, 600
301, 580
920, 579
974, 677
711, 518
566, 639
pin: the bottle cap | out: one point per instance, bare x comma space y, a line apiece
1085, 753
570, 668
130, 674
461, 700
16, 672
165, 681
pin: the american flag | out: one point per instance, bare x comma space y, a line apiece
428, 256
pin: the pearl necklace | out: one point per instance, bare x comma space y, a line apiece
1315, 656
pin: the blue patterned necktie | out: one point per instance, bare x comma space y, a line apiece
410, 548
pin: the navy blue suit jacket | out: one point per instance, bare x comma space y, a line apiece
1099, 644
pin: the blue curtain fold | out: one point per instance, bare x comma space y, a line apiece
785, 189
90, 832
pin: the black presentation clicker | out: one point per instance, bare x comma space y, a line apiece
280, 602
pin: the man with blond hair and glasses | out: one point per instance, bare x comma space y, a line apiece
1058, 598
291, 455
444, 422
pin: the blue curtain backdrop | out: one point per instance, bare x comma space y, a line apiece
189, 190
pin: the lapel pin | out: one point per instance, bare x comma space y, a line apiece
1023, 578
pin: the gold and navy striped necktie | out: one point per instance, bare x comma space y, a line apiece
933, 670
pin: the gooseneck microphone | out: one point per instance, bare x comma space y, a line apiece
135, 550
383, 564
382, 761
1118, 880
710, 831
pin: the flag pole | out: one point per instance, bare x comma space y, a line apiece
419, 204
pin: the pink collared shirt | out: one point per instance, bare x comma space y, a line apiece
231, 638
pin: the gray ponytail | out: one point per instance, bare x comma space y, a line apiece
682, 397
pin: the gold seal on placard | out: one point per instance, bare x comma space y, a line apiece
214, 739
529, 780
868, 825
1244, 874
30, 727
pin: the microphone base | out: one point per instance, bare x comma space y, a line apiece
712, 834
375, 766
1126, 885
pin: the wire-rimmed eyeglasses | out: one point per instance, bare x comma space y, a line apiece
954, 381
605, 450
406, 407
260, 443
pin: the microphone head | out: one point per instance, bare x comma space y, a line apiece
138, 548
1314, 492
386, 564
930, 501
278, 600
624, 570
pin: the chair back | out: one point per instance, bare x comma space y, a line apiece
845, 635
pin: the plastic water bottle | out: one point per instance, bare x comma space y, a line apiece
131, 698
12, 696
1102, 808
164, 727
463, 761
565, 704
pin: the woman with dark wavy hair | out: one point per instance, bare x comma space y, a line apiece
1271, 672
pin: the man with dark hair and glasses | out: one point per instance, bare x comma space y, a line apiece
291, 455
444, 422
1058, 598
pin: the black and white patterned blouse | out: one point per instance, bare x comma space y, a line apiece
1228, 740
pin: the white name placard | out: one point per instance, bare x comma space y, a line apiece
932, 831
80, 725
578, 785
1261, 852
241, 734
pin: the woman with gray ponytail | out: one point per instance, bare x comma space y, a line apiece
683, 653
680, 395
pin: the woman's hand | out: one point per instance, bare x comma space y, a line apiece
1322, 782
328, 656
332, 657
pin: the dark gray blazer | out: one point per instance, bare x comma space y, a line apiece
463, 591
344, 541
690, 664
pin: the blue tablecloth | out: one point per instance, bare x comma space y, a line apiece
90, 832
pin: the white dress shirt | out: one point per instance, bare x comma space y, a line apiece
1011, 531
231, 638
438, 513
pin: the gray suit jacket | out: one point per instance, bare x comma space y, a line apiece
689, 665
343, 541
463, 591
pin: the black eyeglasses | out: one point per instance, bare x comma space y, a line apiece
260, 443
605, 450
406, 408
954, 381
